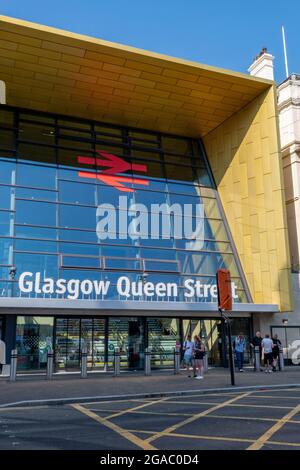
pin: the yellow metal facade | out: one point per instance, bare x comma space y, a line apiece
51, 70
244, 154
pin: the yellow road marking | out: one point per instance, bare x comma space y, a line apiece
114, 427
195, 417
130, 410
259, 443
234, 404
278, 443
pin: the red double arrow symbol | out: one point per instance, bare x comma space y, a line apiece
115, 165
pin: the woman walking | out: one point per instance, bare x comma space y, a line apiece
199, 352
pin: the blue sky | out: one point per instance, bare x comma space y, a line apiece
224, 33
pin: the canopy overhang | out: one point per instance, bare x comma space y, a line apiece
51, 70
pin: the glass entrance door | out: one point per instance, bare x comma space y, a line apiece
128, 335
71, 335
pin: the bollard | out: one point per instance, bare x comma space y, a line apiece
205, 362
256, 359
176, 360
147, 362
13, 365
84, 362
50, 364
281, 359
117, 362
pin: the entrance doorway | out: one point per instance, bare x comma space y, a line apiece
71, 335
127, 334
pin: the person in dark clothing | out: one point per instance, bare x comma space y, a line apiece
277, 345
257, 340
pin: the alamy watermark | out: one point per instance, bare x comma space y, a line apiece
159, 221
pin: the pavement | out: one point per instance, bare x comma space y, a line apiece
232, 420
36, 390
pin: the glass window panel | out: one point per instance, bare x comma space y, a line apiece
37, 153
76, 133
75, 144
36, 194
6, 246
154, 170
85, 126
37, 133
159, 243
78, 235
8, 172
143, 154
176, 145
122, 263
6, 197
34, 338
70, 158
36, 246
37, 117
35, 232
45, 264
79, 248
36, 213
78, 193
203, 177
6, 223
211, 208
109, 138
150, 197
215, 230
81, 274
7, 139
206, 263
6, 117
180, 173
124, 251
36, 176
161, 265
180, 188
80, 262
186, 244
109, 194
77, 217
101, 129
179, 160
148, 253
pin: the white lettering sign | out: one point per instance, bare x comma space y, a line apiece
75, 288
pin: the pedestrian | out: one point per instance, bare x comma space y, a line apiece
257, 340
239, 345
267, 345
277, 345
2, 355
188, 349
199, 352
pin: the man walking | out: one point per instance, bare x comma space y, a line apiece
267, 345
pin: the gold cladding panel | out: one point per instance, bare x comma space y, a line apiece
244, 154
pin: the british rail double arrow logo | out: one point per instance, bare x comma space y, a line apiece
111, 176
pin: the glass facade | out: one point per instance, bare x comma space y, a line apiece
51, 186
